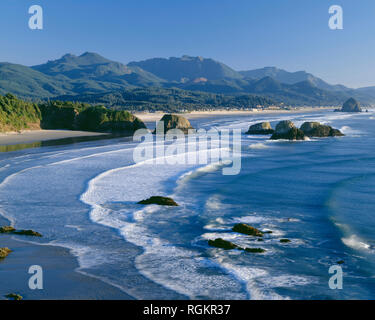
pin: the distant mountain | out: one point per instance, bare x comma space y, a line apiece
24, 81
290, 77
92, 66
187, 68
90, 75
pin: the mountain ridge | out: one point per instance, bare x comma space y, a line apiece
91, 73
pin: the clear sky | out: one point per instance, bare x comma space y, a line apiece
244, 34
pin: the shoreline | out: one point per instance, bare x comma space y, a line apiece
33, 136
149, 117
62, 279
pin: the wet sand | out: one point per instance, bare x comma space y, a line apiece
32, 136
60, 280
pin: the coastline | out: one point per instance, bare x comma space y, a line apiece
61, 277
148, 117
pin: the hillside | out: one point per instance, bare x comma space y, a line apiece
16, 114
187, 68
88, 76
173, 99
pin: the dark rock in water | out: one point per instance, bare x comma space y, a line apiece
261, 128
255, 250
316, 129
172, 121
268, 231
340, 262
284, 240
351, 105
287, 130
13, 296
7, 229
161, 201
246, 229
222, 244
293, 134
4, 252
27, 233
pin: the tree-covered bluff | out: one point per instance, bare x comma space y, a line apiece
16, 114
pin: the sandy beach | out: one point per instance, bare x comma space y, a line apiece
30, 136
61, 281
148, 117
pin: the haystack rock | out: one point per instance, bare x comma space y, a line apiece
288, 131
316, 129
261, 128
351, 105
172, 121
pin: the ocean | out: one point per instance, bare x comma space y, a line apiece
319, 194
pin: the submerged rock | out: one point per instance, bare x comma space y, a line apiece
340, 262
13, 296
172, 121
260, 128
4, 252
222, 244
288, 131
254, 250
246, 229
316, 129
284, 240
351, 105
161, 201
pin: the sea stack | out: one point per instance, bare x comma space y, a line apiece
261, 128
351, 105
172, 121
288, 131
316, 129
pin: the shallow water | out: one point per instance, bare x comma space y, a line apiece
317, 193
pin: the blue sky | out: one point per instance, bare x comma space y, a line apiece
245, 34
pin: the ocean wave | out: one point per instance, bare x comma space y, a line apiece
355, 242
258, 146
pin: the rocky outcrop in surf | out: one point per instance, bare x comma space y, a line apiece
13, 296
161, 201
351, 105
246, 229
222, 244
172, 121
227, 245
260, 128
4, 252
286, 130
11, 230
316, 129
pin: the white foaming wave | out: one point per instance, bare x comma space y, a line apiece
258, 146
174, 268
286, 281
249, 277
355, 242
250, 219
349, 131
213, 203
212, 167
